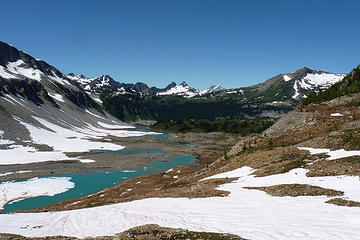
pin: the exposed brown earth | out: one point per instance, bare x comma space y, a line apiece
295, 190
145, 232
345, 166
343, 202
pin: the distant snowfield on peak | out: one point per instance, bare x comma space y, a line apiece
181, 90
14, 69
320, 79
316, 80
186, 91
212, 89
91, 83
286, 78
251, 214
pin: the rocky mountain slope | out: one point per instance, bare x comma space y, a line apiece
289, 87
44, 115
97, 83
273, 98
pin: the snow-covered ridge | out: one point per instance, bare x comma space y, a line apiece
322, 80
185, 90
181, 90
17, 69
316, 80
212, 89
93, 83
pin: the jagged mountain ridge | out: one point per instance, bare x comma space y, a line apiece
290, 87
183, 89
34, 94
28, 77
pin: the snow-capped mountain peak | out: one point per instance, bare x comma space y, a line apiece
314, 81
180, 90
94, 83
212, 89
16, 64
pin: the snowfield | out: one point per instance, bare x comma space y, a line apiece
286, 78
62, 139
315, 80
57, 97
335, 154
250, 214
16, 191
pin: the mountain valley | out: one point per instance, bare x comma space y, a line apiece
279, 159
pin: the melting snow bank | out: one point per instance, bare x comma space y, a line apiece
114, 126
336, 154
62, 139
34, 187
17, 172
248, 213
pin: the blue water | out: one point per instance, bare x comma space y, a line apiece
89, 183
130, 151
164, 136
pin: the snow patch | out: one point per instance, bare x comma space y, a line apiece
113, 126
86, 160
17, 68
17, 172
11, 191
248, 213
286, 78
57, 97
212, 89
4, 73
334, 154
181, 90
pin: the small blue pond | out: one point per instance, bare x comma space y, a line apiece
94, 182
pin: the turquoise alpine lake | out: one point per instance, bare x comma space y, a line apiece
89, 183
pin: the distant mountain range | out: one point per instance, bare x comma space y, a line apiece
293, 86
23, 76
183, 89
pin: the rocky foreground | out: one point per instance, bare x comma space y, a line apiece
150, 232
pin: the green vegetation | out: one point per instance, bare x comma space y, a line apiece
352, 138
350, 84
242, 127
203, 235
2, 108
128, 107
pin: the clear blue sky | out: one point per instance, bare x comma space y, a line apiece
203, 42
